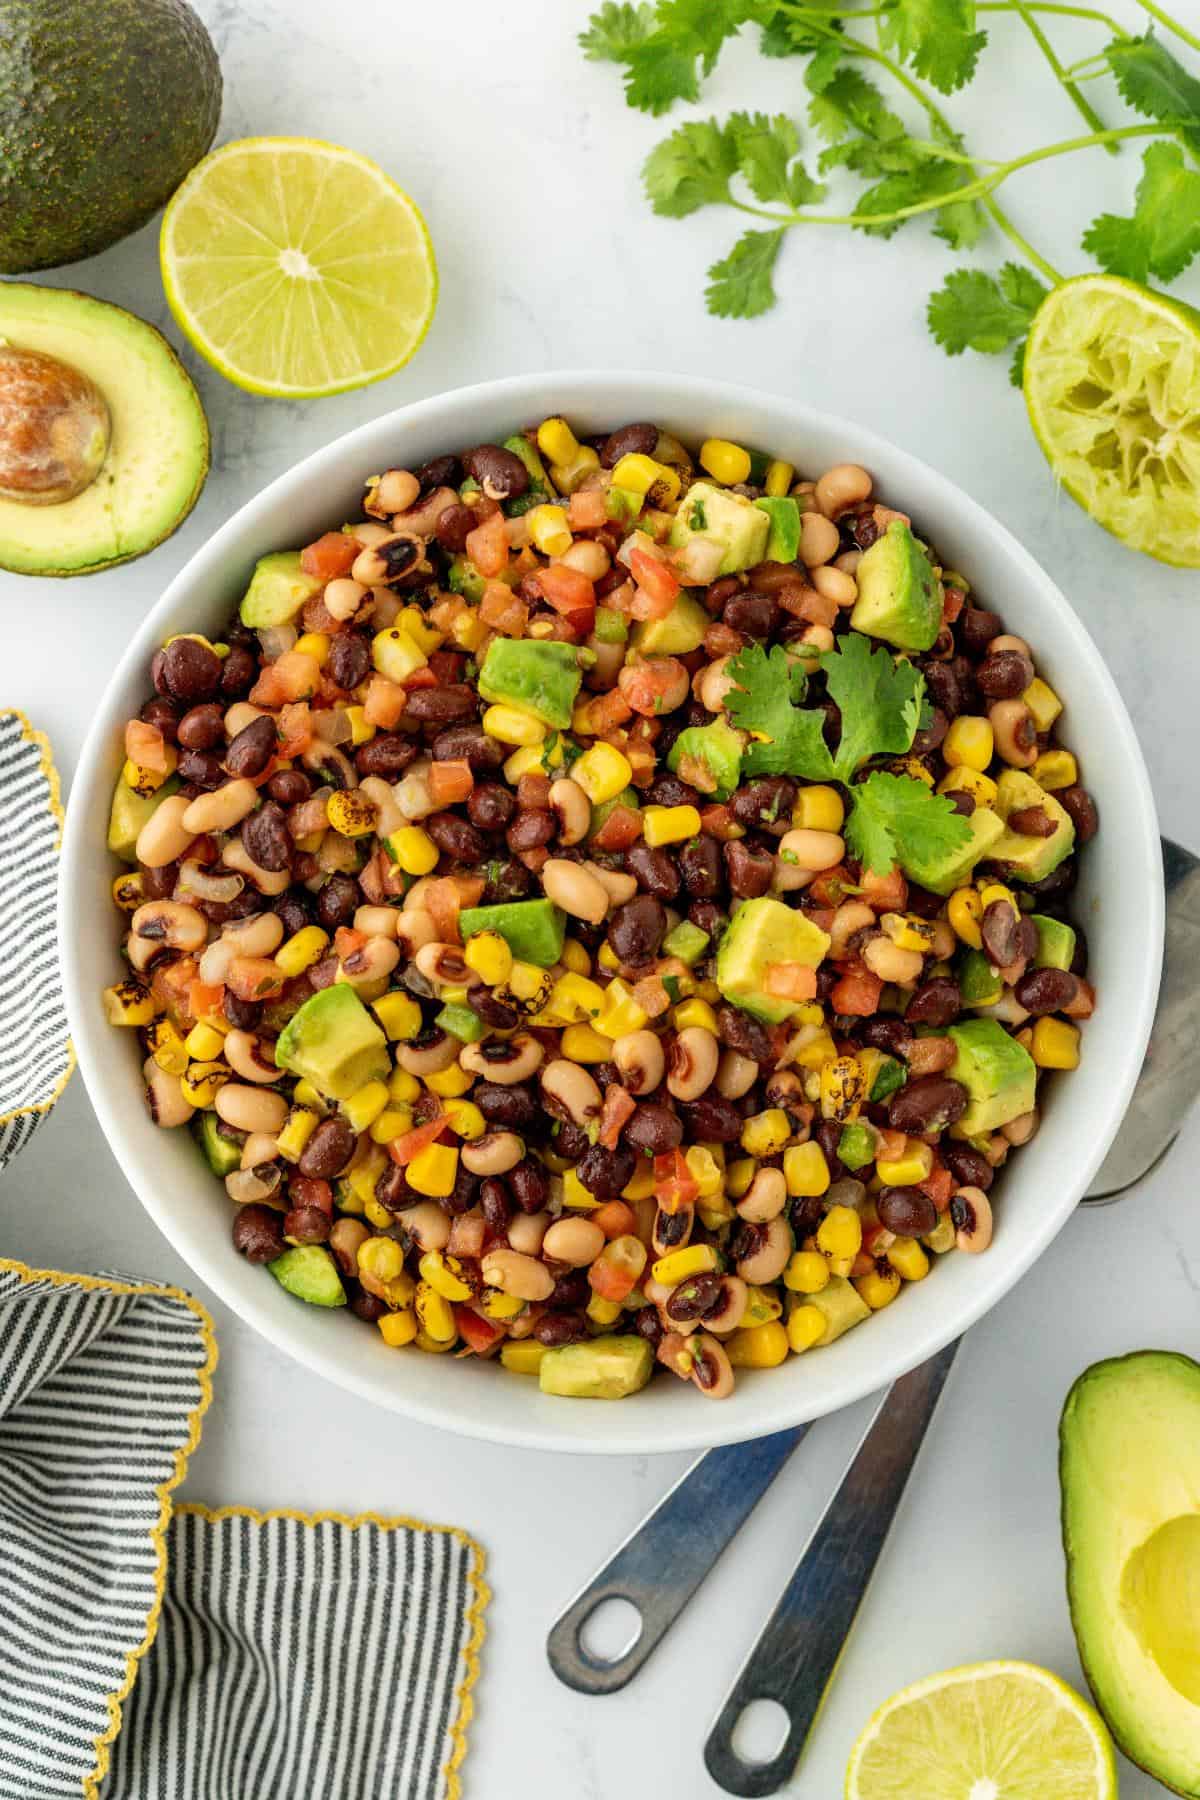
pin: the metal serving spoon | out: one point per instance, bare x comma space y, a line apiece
659, 1567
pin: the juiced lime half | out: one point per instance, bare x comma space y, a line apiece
297, 268
1112, 382
989, 1731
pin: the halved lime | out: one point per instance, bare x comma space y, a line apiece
1112, 383
297, 268
989, 1731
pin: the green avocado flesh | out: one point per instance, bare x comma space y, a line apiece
842, 1306
999, 1075
158, 450
716, 516
783, 543
129, 813
899, 594
978, 982
541, 677
763, 932
222, 1154
458, 1019
1030, 858
709, 757
333, 1041
532, 929
942, 874
1056, 943
1129, 1462
309, 1273
678, 634
278, 591
608, 1368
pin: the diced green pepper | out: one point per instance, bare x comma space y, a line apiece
856, 1146
687, 942
458, 1019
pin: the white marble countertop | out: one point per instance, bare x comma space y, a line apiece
549, 257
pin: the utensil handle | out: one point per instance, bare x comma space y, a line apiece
659, 1567
794, 1659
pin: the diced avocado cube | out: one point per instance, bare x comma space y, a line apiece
540, 676
687, 942
130, 811
458, 1019
278, 590
309, 1273
333, 1041
709, 757
763, 932
622, 504
1030, 858
842, 1306
721, 517
532, 929
611, 627
890, 1077
1056, 943
678, 634
464, 578
856, 1146
628, 798
899, 594
222, 1154
999, 1075
978, 982
942, 874
783, 543
607, 1368
539, 489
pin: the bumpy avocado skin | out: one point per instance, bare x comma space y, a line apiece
104, 107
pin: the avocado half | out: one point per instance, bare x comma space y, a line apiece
158, 450
1130, 1470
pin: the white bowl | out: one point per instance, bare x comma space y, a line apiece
1120, 900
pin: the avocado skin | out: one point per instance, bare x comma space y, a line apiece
104, 107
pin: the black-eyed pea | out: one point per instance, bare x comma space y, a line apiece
426, 1224
250, 1057
507, 1061
736, 1074
640, 1061
249, 1108
259, 1147
1008, 641
1020, 1130
971, 1213
765, 1198
167, 925
712, 683
520, 1276
414, 929
368, 968
617, 884
819, 539
811, 851
164, 1097
247, 1186
572, 808
443, 964
164, 838
892, 963
576, 890
269, 882
573, 1088
692, 1059
844, 485
573, 1241
527, 1232
1014, 732
495, 1153
441, 1052
728, 1312
769, 1256
345, 1240
711, 1370
260, 935
221, 809
394, 492
377, 921
343, 598
834, 584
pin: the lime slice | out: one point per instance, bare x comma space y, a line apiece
990, 1731
1112, 383
297, 268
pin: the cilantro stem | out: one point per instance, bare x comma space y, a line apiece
1164, 18
1081, 103
1090, 13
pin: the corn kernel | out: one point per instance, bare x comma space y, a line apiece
739, 1175
706, 1171
398, 1328
380, 1258
314, 644
964, 909
1055, 769
372, 1210
488, 954
451, 1083
414, 851
425, 636
468, 630
567, 476
145, 781
496, 1305
129, 1003
656, 480
908, 932
603, 1312
602, 772
981, 787
640, 1185
302, 950
352, 812
908, 1259
524, 1357
434, 1313
607, 958
805, 1328
573, 1000
361, 729
669, 824
575, 958
1055, 1044
819, 809
166, 1046
780, 476
364, 1106
433, 1346
909, 1169
404, 1088
969, 742
509, 725
621, 1014
758, 1346
433, 1169
203, 1043
840, 1233
302, 1121
202, 1080
806, 1273
943, 1236
392, 1123
556, 440
695, 1012
575, 1195
843, 1088
466, 1120
127, 891
725, 462
878, 1288
396, 655
693, 1259
762, 1304
548, 530
1042, 702
766, 1133
819, 1050
580, 1044
401, 1019
715, 1211
523, 762
444, 1275
805, 1171
995, 890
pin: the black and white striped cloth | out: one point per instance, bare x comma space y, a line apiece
36, 1058
199, 1656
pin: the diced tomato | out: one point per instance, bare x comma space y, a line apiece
622, 828
792, 981
501, 610
423, 677
830, 887
450, 782
468, 1234
863, 1263
618, 1268
890, 1146
294, 676
566, 590
655, 578
295, 729
255, 978
347, 942
410, 1144
586, 510
145, 745
330, 556
477, 1333
939, 1185
615, 1219
317, 617
884, 893
487, 545
205, 999
619, 1105
953, 601
648, 685
447, 666
674, 1184
646, 605
607, 711
856, 994
651, 996
720, 823
171, 984
385, 703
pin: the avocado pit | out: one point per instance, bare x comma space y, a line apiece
55, 428
1160, 1601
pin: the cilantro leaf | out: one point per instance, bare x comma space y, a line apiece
614, 31
785, 34
938, 37
894, 816
959, 222
740, 285
1156, 84
880, 701
849, 112
765, 701
976, 311
690, 169
1163, 235
658, 73
661, 67
764, 149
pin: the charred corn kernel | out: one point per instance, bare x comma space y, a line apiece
708, 990
444, 1275
425, 636
981, 787
166, 1046
695, 1012
435, 1316
705, 1171
806, 1273
969, 742
907, 931
203, 1044
466, 1120
403, 1087
843, 1089
490, 957
602, 772
766, 1133
310, 843
433, 1346
761, 1306
908, 1259
575, 1195
603, 1312
805, 1171
305, 1094
148, 781
352, 812
302, 950
779, 479
840, 1232
645, 476
364, 1105
995, 890
129, 1003
574, 1000
381, 1258
693, 1259
914, 768
432, 1171
964, 909
314, 644
805, 1328
575, 958
725, 462
715, 1211
401, 1019
509, 725
818, 809
758, 1346
607, 958
127, 891
942, 1237
1042, 702
372, 1210
548, 530
909, 1169
525, 981
580, 1044
201, 1081
468, 630
640, 1185
621, 1014
1055, 769
739, 1175
878, 1288
395, 654
398, 1328
391, 1123
1055, 1044
669, 824
500, 1306
523, 1357
413, 850
567, 476
819, 1050
556, 440
361, 729
451, 1083
522, 762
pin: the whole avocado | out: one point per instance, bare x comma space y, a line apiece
104, 107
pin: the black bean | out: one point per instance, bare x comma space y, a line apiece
438, 472
454, 526
239, 672
569, 1139
647, 1324
707, 916
258, 1233
999, 929
606, 1173
490, 806
455, 838
367, 1306
1046, 991
495, 1202
638, 439
828, 1134
267, 838
462, 1195
1004, 675
442, 705
191, 670
1080, 808
289, 787
936, 1002
944, 687
929, 1103
556, 1328
252, 748
765, 802
668, 789
967, 1166
750, 870
652, 1128
906, 1211
713, 1120
200, 727
636, 929
695, 1298
338, 901
307, 1225
243, 1015
758, 615
976, 627
506, 880
393, 1190
701, 867
571, 1291
512, 1108
500, 473
328, 1150
530, 830
742, 1032
349, 659
470, 744
528, 1185
201, 769
387, 754
928, 739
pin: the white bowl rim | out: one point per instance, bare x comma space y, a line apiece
699, 1427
